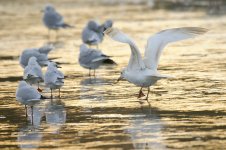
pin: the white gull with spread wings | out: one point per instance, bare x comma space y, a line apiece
143, 72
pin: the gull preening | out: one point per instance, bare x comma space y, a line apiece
52, 19
92, 59
40, 53
54, 79
143, 72
33, 72
46, 49
28, 95
92, 34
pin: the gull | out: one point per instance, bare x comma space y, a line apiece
92, 34
143, 72
54, 79
52, 19
28, 95
40, 53
33, 72
92, 58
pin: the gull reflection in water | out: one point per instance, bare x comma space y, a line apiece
36, 115
55, 115
29, 137
146, 131
92, 89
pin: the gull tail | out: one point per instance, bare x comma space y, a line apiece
43, 97
53, 58
166, 76
105, 60
65, 25
109, 62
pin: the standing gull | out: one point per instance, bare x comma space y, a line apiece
28, 95
33, 72
92, 58
52, 19
143, 72
54, 79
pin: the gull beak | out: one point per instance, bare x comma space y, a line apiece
119, 79
58, 66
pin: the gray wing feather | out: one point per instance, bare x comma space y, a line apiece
26, 54
27, 93
53, 20
91, 56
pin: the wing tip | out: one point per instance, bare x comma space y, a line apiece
196, 30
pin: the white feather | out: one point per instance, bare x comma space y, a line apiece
156, 43
135, 61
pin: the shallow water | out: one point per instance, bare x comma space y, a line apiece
186, 112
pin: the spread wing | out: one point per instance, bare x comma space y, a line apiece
135, 61
156, 43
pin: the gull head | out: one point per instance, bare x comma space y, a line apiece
52, 66
122, 75
45, 49
49, 8
107, 24
93, 25
32, 61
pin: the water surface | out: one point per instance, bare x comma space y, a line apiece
186, 112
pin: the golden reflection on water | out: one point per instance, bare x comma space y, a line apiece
186, 112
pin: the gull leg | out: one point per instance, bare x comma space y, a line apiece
141, 94
40, 90
32, 117
51, 93
25, 110
59, 93
89, 72
94, 71
147, 94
